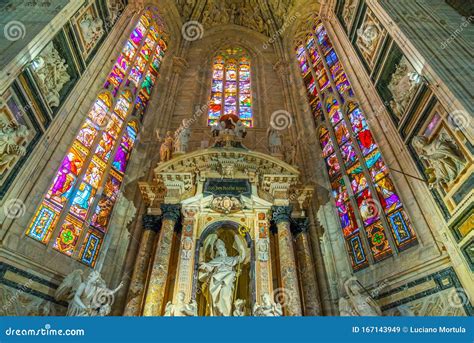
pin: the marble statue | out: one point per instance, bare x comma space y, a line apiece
274, 140
239, 308
358, 304
181, 309
443, 155
262, 249
217, 128
182, 137
92, 29
403, 86
50, 71
290, 154
345, 308
166, 149
87, 297
220, 274
239, 129
11, 137
268, 308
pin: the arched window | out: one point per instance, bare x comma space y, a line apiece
370, 211
231, 92
76, 209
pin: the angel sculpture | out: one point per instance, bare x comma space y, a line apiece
88, 297
181, 309
220, 274
268, 308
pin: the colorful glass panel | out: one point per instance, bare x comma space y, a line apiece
106, 142
68, 235
44, 222
91, 247
231, 87
378, 241
358, 155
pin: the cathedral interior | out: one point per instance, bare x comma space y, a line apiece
236, 158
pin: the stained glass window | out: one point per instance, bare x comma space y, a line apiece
231, 92
76, 209
373, 221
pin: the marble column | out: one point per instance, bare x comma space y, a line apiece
304, 257
159, 273
288, 272
136, 290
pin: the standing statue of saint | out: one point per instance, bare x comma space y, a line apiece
274, 140
219, 274
166, 148
182, 137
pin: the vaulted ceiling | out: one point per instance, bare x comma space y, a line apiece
261, 16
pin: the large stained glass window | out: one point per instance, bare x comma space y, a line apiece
231, 92
373, 221
75, 212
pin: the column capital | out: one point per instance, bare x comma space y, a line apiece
299, 225
152, 222
281, 214
171, 211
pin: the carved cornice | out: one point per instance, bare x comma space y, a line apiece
177, 179
171, 211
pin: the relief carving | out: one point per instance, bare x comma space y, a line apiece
12, 136
403, 86
92, 29
50, 71
348, 11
